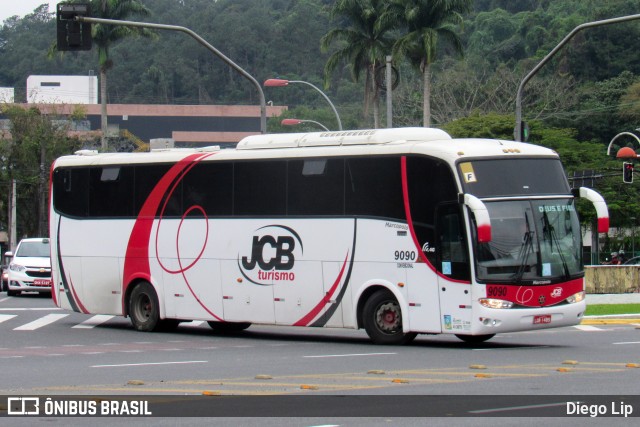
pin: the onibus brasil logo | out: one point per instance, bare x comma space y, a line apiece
273, 255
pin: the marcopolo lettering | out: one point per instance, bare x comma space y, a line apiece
273, 255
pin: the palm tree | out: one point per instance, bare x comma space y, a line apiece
364, 46
105, 35
426, 22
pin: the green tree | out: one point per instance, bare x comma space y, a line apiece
364, 44
36, 140
426, 22
104, 36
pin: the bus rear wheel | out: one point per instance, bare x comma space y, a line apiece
144, 308
383, 319
229, 326
475, 339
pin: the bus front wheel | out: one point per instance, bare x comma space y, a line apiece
383, 319
144, 308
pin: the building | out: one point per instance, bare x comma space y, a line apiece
7, 95
62, 89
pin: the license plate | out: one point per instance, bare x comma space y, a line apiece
537, 320
42, 282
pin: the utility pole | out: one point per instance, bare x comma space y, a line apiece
389, 92
42, 190
12, 218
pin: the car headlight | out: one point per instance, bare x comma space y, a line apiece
17, 267
495, 303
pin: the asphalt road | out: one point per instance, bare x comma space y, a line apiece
50, 352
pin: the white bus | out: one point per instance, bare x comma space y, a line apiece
397, 231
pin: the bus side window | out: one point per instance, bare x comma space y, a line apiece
315, 187
71, 191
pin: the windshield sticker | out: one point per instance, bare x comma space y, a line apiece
446, 267
546, 269
467, 172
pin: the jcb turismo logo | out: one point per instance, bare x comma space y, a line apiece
273, 254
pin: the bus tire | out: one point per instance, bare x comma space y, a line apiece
475, 339
383, 319
228, 326
144, 308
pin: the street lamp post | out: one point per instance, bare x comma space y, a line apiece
283, 82
203, 42
295, 122
619, 135
518, 127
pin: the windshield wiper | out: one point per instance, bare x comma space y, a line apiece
525, 251
548, 229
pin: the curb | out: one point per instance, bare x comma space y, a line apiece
614, 319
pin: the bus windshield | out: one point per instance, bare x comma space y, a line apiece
533, 241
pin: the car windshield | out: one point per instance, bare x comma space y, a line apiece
34, 249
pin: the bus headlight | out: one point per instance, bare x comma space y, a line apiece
576, 297
495, 303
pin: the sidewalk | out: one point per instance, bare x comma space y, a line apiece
630, 298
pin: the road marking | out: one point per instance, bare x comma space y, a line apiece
523, 347
350, 355
5, 317
39, 323
150, 364
93, 321
588, 328
4, 299
30, 309
628, 342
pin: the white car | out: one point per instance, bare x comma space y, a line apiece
30, 267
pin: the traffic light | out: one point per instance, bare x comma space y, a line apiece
72, 34
524, 137
627, 172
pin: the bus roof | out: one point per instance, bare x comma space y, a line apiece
428, 141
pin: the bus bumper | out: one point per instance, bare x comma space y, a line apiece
495, 321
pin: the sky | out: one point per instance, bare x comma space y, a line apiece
22, 7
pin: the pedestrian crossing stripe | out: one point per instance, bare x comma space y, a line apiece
588, 328
94, 321
5, 317
39, 323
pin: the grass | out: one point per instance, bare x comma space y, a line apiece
604, 309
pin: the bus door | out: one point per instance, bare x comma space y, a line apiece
452, 264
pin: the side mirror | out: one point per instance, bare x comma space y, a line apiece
598, 202
483, 221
